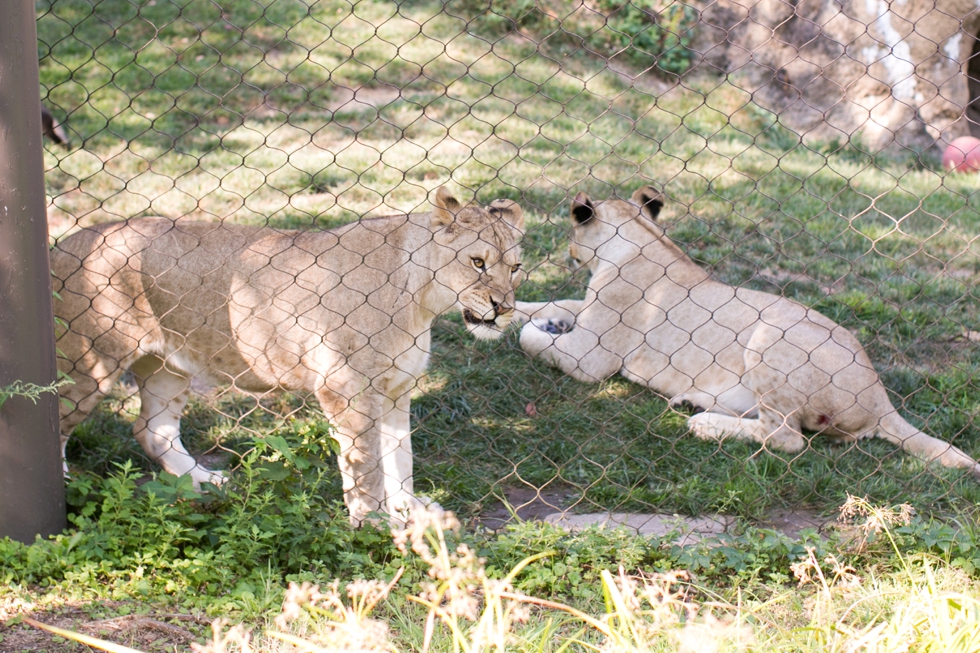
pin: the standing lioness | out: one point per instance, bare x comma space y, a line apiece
755, 366
344, 314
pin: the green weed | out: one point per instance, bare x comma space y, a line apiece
30, 391
461, 604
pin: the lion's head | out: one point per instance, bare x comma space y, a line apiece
487, 264
613, 225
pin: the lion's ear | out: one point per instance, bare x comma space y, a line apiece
582, 209
510, 211
445, 208
650, 200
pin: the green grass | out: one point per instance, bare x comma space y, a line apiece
238, 114
157, 550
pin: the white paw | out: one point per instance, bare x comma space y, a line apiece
705, 426
401, 507
430, 505
553, 326
685, 404
535, 340
203, 475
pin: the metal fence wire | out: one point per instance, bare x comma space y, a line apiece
768, 301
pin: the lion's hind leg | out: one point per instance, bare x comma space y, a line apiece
92, 379
163, 396
771, 430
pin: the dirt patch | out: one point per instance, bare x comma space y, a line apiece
526, 503
793, 522
150, 631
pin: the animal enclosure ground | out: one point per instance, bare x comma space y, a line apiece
310, 115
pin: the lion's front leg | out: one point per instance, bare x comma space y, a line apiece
396, 459
562, 313
357, 424
577, 353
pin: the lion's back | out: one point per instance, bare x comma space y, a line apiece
233, 301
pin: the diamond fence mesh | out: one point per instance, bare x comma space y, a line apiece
786, 149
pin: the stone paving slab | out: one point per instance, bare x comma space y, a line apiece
689, 530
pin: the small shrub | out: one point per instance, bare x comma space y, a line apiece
640, 30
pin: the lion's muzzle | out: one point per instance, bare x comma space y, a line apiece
491, 323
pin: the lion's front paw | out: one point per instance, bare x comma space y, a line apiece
428, 504
203, 475
553, 326
401, 508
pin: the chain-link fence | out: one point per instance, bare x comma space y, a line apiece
786, 148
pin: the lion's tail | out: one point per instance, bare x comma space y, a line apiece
895, 429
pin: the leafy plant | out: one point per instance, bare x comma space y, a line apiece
31, 391
640, 29
646, 27
279, 514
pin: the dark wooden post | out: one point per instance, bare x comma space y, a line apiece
32, 489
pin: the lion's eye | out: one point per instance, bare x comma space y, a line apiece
515, 269
479, 264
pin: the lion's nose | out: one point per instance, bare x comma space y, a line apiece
500, 309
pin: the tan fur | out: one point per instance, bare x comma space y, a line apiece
344, 314
760, 366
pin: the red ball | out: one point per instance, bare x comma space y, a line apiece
963, 155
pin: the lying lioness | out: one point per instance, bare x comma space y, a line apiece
750, 365
344, 314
